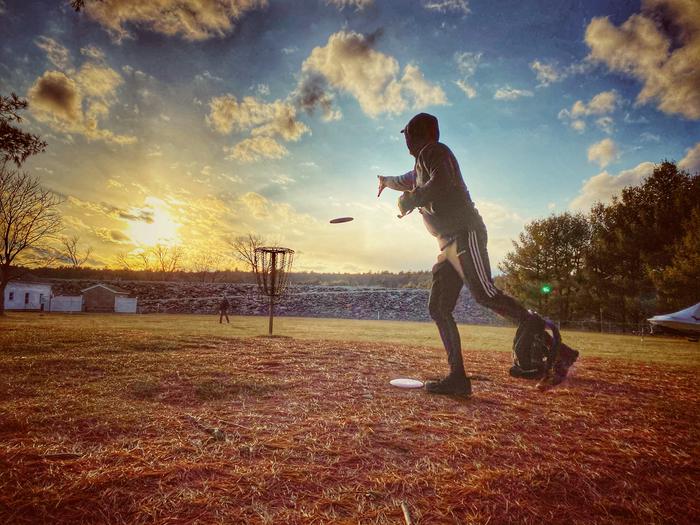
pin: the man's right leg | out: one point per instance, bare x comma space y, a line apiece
444, 293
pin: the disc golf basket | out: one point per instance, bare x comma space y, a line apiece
272, 265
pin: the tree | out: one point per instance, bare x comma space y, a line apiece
28, 219
205, 264
167, 258
678, 284
244, 247
71, 252
16, 145
545, 268
635, 238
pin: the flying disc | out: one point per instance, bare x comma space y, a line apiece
341, 219
404, 382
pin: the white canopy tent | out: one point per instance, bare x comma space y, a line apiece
687, 321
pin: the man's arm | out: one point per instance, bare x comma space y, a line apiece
404, 182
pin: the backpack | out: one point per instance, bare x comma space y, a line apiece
535, 352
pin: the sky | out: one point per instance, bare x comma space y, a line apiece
192, 122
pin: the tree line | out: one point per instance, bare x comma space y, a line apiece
624, 261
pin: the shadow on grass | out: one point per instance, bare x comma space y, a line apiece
178, 390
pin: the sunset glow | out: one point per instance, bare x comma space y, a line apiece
273, 117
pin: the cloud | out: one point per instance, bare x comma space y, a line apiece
56, 96
509, 93
57, 54
357, 4
144, 214
349, 63
467, 63
603, 152
257, 204
691, 161
255, 149
74, 105
112, 236
277, 118
600, 105
313, 92
660, 48
607, 124
546, 73
448, 6
193, 20
92, 52
74, 101
602, 187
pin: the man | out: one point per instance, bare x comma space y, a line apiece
223, 310
435, 186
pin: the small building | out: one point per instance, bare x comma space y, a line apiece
108, 298
27, 295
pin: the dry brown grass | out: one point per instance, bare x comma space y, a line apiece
115, 429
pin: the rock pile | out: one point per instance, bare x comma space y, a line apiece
345, 302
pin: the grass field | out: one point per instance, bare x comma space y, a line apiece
177, 419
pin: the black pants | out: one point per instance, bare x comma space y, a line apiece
447, 283
223, 313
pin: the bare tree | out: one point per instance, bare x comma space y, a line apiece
205, 264
244, 246
71, 252
167, 258
124, 261
29, 218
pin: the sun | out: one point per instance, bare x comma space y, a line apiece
160, 228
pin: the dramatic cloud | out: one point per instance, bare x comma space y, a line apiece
144, 214
660, 47
313, 92
57, 54
74, 101
75, 105
349, 63
602, 187
509, 93
276, 118
691, 161
255, 149
448, 6
600, 105
466, 65
55, 97
190, 19
603, 152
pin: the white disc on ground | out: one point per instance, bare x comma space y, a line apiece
404, 382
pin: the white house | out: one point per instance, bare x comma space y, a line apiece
21, 295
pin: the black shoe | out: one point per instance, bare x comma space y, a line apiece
450, 386
567, 357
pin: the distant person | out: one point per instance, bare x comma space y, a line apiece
223, 310
435, 186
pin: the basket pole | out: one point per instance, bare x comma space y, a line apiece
273, 265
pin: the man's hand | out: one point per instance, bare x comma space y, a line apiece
406, 203
382, 185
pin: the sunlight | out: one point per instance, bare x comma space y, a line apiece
163, 229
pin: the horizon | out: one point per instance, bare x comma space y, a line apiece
188, 129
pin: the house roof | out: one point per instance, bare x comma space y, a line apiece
110, 287
29, 281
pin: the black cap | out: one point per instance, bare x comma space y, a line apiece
423, 125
